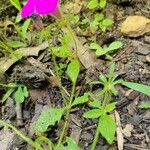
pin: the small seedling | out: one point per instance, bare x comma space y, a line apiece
19, 90
100, 22
106, 125
105, 51
97, 3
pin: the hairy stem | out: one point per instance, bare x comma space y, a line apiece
96, 137
65, 127
56, 70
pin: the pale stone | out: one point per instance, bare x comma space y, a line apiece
135, 26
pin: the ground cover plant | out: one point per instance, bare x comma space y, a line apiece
46, 66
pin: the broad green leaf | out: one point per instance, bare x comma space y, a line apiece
95, 103
92, 4
103, 3
25, 27
16, 4
48, 118
110, 107
16, 44
107, 22
138, 87
80, 100
107, 128
94, 113
19, 95
145, 105
73, 70
115, 45
69, 145
7, 94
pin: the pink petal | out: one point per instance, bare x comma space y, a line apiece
28, 9
44, 7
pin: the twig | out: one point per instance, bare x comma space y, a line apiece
19, 114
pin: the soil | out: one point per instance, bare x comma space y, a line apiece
132, 64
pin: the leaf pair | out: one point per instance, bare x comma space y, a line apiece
106, 125
100, 51
95, 3
21, 92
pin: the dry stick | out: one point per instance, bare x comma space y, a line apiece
19, 114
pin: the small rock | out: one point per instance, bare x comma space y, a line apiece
141, 49
135, 26
6, 138
148, 59
127, 130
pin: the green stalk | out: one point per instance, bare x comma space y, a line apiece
28, 140
96, 137
67, 117
56, 70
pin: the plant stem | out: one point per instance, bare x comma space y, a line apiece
67, 117
96, 136
56, 70
28, 140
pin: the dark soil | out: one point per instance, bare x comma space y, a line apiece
132, 64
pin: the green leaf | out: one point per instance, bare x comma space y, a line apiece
103, 3
138, 87
25, 91
16, 44
100, 52
102, 78
95, 103
62, 51
107, 22
110, 107
94, 46
69, 145
94, 24
16, 4
92, 4
25, 27
98, 16
19, 95
73, 70
145, 105
107, 128
94, 113
80, 100
115, 45
7, 94
48, 117
75, 19
111, 71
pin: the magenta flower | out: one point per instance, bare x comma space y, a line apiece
41, 7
